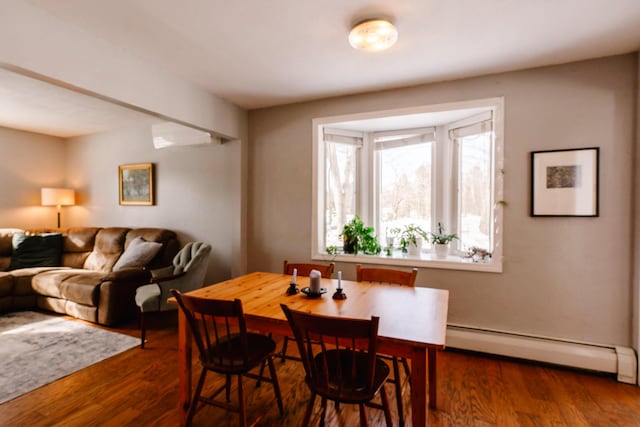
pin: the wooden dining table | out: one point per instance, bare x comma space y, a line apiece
412, 323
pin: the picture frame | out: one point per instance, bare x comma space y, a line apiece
135, 184
565, 182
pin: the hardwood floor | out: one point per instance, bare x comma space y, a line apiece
140, 388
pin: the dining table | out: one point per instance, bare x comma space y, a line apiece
413, 322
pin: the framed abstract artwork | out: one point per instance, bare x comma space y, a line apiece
565, 182
135, 183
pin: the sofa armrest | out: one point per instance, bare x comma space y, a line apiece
140, 275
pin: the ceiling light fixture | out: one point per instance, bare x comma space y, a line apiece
373, 35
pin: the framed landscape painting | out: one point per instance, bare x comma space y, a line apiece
565, 182
136, 184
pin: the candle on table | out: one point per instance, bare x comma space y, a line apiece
295, 274
339, 279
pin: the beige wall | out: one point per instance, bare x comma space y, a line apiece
563, 277
28, 162
196, 190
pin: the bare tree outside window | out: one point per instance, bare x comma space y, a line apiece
475, 191
405, 187
340, 197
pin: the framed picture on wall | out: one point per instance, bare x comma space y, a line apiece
565, 182
135, 183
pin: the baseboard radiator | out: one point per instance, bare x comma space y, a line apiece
621, 361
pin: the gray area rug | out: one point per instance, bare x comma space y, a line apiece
36, 349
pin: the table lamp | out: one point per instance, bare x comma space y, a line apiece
58, 197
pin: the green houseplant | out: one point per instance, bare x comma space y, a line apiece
411, 237
441, 240
359, 238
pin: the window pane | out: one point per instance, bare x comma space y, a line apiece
340, 196
405, 187
475, 191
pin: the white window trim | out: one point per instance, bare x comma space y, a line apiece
425, 260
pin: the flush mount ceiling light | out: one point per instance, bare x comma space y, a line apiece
373, 35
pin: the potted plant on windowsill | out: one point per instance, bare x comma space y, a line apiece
411, 237
359, 238
441, 240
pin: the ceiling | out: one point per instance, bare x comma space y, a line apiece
258, 53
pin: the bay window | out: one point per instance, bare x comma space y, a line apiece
420, 167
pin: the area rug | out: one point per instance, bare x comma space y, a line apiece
36, 349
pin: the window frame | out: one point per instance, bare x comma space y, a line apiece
442, 181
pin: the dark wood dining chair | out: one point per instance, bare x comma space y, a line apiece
225, 347
303, 269
340, 361
397, 277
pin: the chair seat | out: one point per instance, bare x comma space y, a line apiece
148, 297
346, 387
227, 356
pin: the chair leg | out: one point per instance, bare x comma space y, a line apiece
196, 397
385, 407
276, 385
241, 404
261, 373
228, 387
143, 329
284, 349
307, 414
398, 387
323, 414
363, 416
407, 370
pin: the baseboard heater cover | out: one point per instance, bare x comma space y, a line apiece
617, 360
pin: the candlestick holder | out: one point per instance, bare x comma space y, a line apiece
339, 294
292, 289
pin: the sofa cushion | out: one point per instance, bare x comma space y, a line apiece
42, 250
108, 247
6, 246
80, 286
77, 244
138, 254
6, 284
168, 238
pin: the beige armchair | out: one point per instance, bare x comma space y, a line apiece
186, 274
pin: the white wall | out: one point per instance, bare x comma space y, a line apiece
29, 162
42, 43
563, 277
196, 193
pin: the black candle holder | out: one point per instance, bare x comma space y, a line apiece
338, 294
292, 289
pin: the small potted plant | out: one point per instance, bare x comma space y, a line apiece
411, 237
359, 238
441, 240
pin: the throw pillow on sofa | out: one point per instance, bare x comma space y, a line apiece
138, 254
40, 250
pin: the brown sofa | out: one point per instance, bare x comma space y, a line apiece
84, 285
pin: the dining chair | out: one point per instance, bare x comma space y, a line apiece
397, 277
186, 273
302, 269
225, 347
340, 361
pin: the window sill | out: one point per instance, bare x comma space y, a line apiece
425, 260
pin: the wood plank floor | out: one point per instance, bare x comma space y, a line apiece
140, 388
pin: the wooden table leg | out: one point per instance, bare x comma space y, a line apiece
184, 366
432, 377
419, 387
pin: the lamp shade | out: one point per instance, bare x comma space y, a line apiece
58, 197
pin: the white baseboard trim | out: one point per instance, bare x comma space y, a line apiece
617, 360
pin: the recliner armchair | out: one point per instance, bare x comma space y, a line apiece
186, 274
